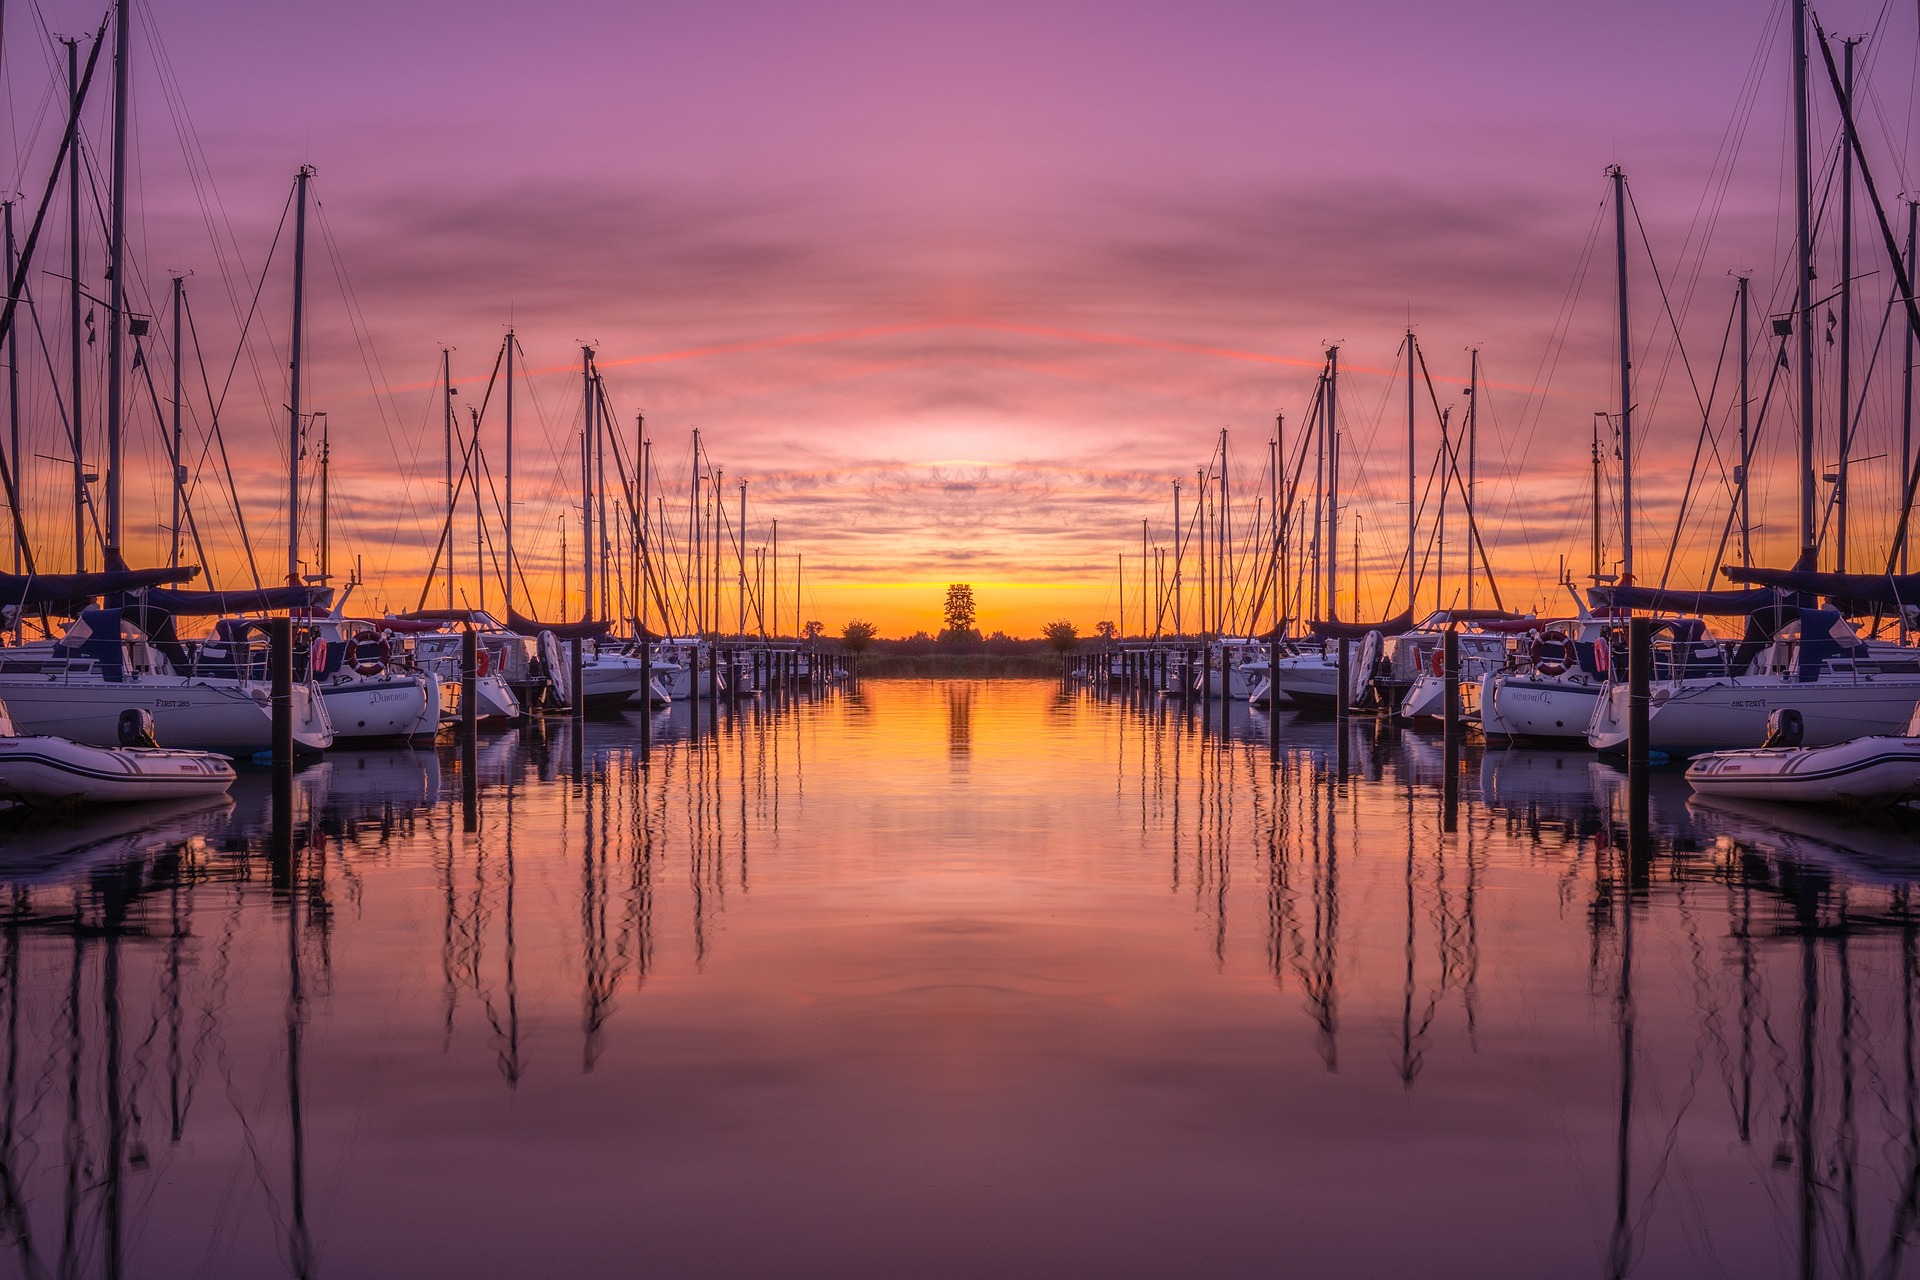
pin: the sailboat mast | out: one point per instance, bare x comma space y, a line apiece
1906, 386
696, 602
1473, 457
646, 533
1626, 376
1746, 445
446, 431
1329, 426
479, 520
774, 595
293, 401
1413, 512
13, 402
740, 555
1178, 550
586, 481
326, 457
1225, 593
1145, 626
74, 393
116, 284
1846, 316
1594, 555
1803, 250
179, 467
1201, 517
507, 518
1274, 525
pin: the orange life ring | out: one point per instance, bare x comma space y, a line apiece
482, 660
1437, 663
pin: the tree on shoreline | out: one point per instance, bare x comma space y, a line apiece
960, 613
1062, 637
858, 636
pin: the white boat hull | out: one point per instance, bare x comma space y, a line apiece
56, 769
367, 708
1729, 714
1876, 770
1537, 707
1310, 680
188, 712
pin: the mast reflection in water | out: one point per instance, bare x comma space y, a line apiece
950, 979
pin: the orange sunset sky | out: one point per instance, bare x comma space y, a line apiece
959, 292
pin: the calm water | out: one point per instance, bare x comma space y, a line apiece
959, 979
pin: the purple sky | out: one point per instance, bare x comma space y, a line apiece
962, 288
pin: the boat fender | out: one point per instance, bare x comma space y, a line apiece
482, 660
136, 728
1786, 727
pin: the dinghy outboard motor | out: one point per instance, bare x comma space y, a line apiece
1785, 728
136, 728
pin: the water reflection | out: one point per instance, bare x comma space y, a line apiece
1039, 977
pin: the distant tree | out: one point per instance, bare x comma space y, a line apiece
1108, 631
813, 630
960, 613
857, 636
1060, 636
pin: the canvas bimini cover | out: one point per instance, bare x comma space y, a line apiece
68, 594
1853, 594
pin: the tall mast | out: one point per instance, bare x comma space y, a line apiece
1273, 514
326, 458
1145, 626
586, 479
479, 519
696, 594
1473, 457
74, 397
1178, 549
13, 406
1413, 513
638, 499
507, 519
1626, 377
1329, 426
1845, 427
774, 595
798, 565
116, 284
1200, 519
1746, 445
1906, 385
1225, 558
719, 549
601, 547
740, 554
446, 431
1803, 250
1594, 555
293, 402
179, 466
